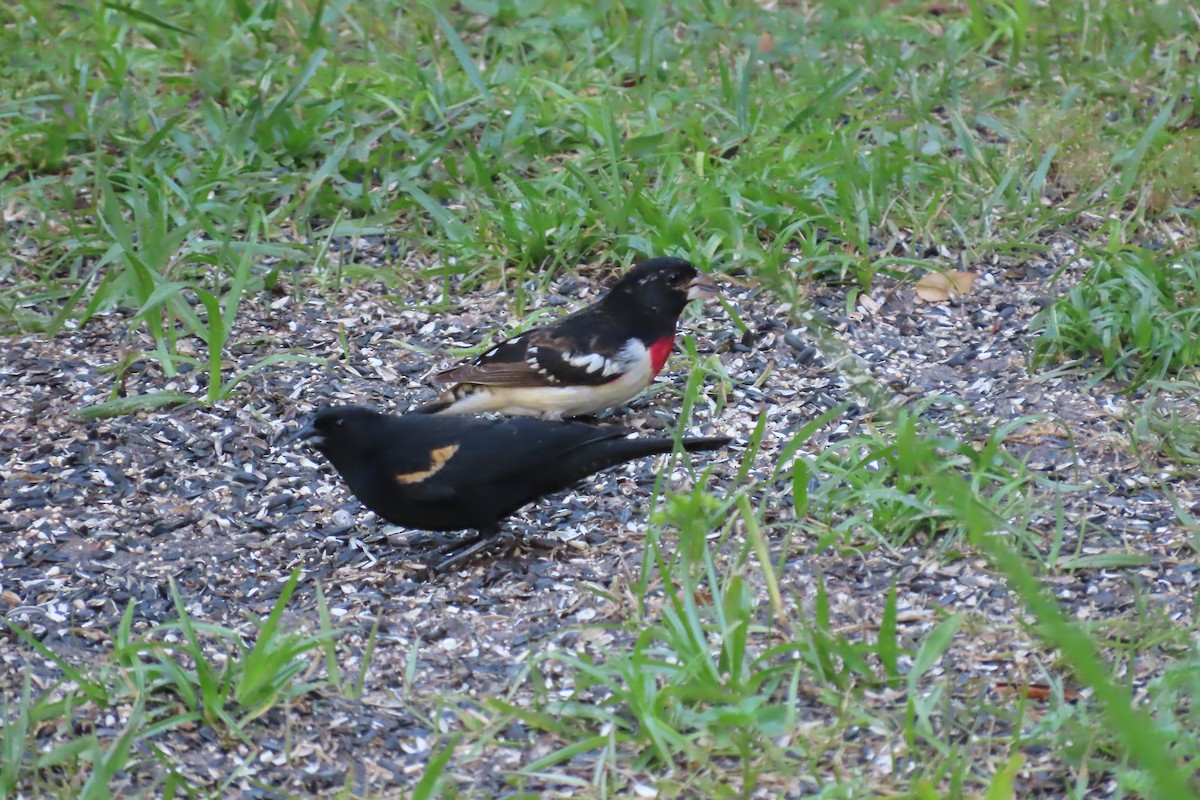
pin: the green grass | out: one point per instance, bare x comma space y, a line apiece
1164, 436
894, 503
178, 674
712, 676
183, 146
186, 160
1136, 314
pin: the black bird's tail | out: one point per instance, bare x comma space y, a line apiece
695, 444
607, 453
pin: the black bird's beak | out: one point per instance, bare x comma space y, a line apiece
702, 286
306, 434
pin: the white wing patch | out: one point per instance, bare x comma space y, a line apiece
536, 365
556, 402
633, 352
591, 362
633, 355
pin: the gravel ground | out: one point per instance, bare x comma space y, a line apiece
95, 514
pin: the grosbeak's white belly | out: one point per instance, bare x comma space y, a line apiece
555, 402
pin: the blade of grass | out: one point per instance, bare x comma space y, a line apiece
434, 768
461, 53
764, 556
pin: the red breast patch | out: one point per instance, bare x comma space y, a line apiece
659, 352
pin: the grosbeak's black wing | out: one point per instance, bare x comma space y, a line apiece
584, 349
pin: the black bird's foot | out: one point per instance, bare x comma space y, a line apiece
465, 549
433, 541
458, 554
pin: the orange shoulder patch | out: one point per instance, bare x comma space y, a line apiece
437, 459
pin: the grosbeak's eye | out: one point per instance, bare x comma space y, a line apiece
340, 423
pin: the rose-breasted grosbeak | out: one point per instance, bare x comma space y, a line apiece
594, 359
454, 473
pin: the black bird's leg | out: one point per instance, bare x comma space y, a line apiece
482, 541
434, 541
464, 549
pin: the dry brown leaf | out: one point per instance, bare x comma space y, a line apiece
1039, 692
91, 634
1038, 432
938, 287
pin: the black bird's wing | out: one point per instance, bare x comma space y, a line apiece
457, 455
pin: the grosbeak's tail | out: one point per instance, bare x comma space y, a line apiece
434, 406
449, 402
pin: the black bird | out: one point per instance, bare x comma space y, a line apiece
594, 359
453, 473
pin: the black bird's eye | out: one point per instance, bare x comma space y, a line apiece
339, 423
